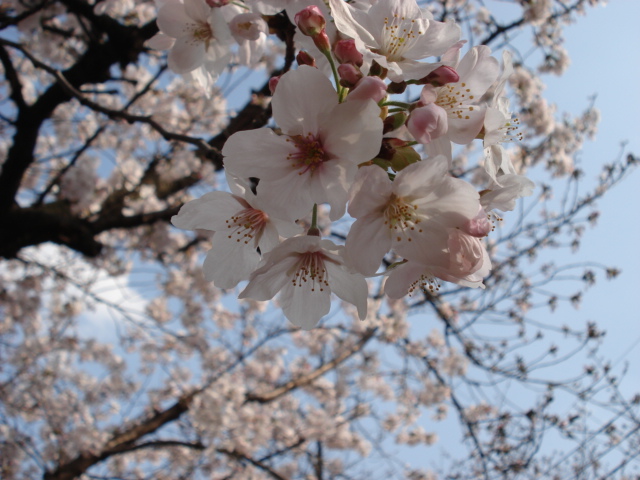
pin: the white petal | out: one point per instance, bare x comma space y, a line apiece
172, 19
197, 10
370, 191
354, 133
343, 15
350, 287
304, 307
186, 55
160, 41
368, 241
269, 279
226, 265
302, 95
209, 212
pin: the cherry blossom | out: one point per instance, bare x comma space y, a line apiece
196, 33
316, 158
417, 208
306, 270
464, 261
395, 34
241, 228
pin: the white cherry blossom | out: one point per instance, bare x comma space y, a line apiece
306, 270
196, 34
316, 158
418, 207
395, 34
241, 227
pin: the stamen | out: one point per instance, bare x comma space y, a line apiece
310, 268
247, 225
309, 155
401, 216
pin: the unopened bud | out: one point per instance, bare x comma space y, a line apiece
273, 83
321, 40
218, 3
427, 123
479, 226
369, 88
310, 21
346, 52
349, 75
303, 58
440, 76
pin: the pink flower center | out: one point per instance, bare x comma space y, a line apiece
310, 268
401, 216
247, 225
309, 155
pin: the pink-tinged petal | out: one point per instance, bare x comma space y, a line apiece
160, 41
304, 307
369, 88
186, 55
270, 278
226, 264
368, 241
427, 123
197, 10
350, 287
343, 15
354, 131
370, 191
209, 212
302, 96
172, 19
257, 153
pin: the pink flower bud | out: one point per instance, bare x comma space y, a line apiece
310, 21
369, 88
321, 40
479, 226
217, 3
349, 75
427, 123
346, 52
273, 83
440, 76
303, 58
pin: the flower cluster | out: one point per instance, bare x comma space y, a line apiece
347, 144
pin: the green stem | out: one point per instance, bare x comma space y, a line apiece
336, 77
392, 103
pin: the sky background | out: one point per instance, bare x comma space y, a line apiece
605, 61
